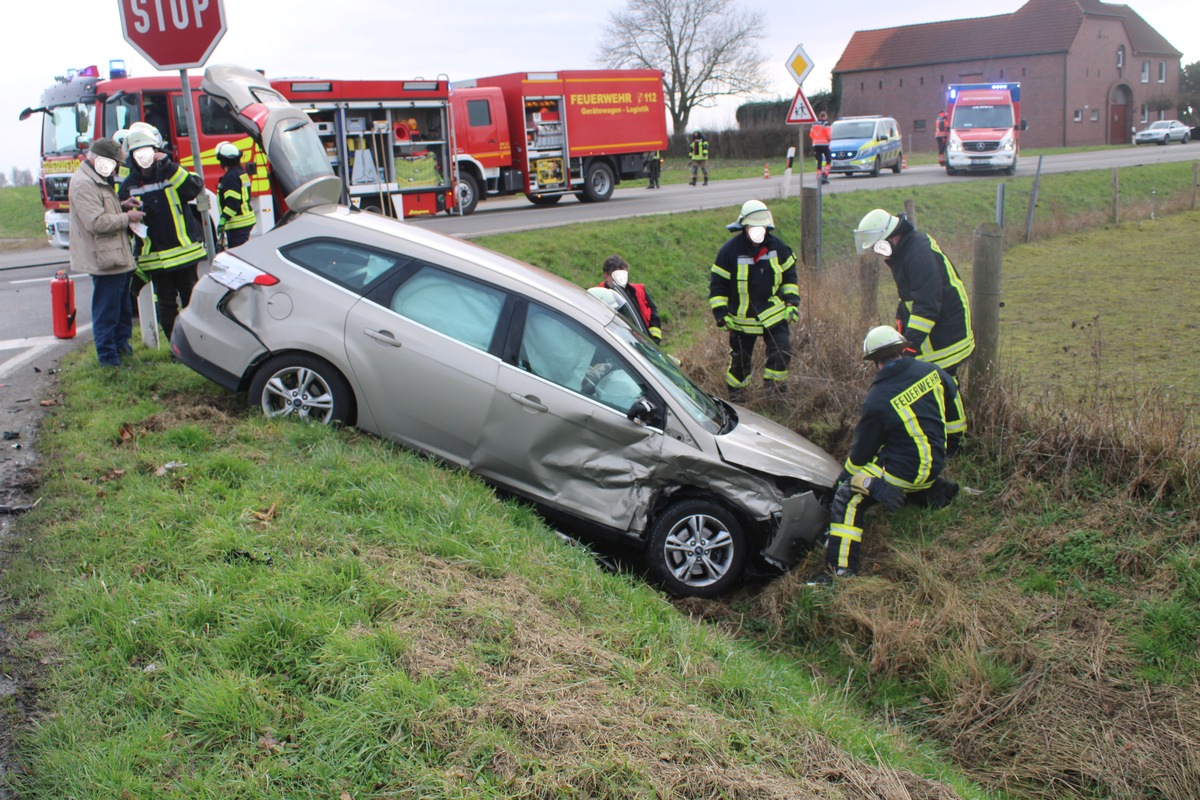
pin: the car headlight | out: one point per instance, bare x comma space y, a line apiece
1007, 143
955, 146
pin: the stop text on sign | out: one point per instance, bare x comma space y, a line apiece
155, 15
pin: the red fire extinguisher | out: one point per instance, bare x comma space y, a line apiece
62, 300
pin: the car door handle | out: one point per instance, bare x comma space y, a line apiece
385, 337
528, 402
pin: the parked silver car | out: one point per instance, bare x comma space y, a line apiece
491, 364
1162, 132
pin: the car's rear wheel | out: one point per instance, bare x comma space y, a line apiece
1187, 137
899, 163
301, 385
697, 549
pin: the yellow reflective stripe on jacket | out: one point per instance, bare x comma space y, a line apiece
230, 218
902, 404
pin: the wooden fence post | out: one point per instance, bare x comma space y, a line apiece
868, 284
1116, 197
985, 303
810, 219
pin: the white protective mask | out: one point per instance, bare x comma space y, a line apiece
144, 156
883, 247
757, 233
104, 166
620, 277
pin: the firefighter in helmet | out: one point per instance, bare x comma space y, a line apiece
934, 313
911, 419
173, 244
698, 149
753, 293
941, 133
237, 213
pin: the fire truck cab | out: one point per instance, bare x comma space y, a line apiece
83, 105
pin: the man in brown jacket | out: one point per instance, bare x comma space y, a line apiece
100, 247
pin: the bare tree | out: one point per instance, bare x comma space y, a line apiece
705, 48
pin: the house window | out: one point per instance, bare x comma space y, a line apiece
902, 83
918, 124
1162, 72
1120, 56
922, 80
1145, 116
1095, 115
1145, 72
1078, 115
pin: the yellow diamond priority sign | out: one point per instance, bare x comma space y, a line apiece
799, 64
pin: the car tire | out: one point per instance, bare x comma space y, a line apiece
467, 193
899, 163
544, 199
1011, 169
1162, 141
875, 168
697, 549
598, 183
1187, 137
302, 385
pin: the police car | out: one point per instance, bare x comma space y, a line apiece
865, 144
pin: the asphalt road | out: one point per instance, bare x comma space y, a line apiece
29, 352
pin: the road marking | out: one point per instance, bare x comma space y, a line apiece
33, 346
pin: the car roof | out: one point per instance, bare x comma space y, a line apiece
376, 230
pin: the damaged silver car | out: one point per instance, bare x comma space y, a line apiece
513, 373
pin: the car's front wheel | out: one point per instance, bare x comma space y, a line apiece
697, 549
875, 168
301, 385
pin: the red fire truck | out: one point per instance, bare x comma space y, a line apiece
389, 141
550, 134
82, 105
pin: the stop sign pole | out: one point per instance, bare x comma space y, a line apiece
178, 34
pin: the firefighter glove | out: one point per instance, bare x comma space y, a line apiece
889, 496
792, 314
721, 322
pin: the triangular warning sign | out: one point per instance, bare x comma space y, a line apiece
801, 112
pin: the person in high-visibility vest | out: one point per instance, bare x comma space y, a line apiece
237, 214
753, 293
941, 133
911, 421
819, 133
699, 155
616, 278
173, 245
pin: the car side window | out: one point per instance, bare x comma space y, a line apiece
463, 309
555, 348
347, 264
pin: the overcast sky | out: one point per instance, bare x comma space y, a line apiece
457, 38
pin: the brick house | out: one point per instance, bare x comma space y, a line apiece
1090, 72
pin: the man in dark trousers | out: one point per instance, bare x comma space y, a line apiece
934, 314
911, 417
942, 134
174, 241
100, 247
616, 277
237, 214
753, 293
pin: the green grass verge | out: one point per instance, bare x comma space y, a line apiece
21, 213
227, 606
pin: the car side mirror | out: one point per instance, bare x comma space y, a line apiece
641, 411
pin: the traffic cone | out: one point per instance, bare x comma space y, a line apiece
903, 161
766, 171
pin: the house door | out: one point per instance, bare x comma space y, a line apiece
1118, 115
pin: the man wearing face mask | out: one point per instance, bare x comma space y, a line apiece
174, 241
934, 314
753, 293
100, 247
616, 277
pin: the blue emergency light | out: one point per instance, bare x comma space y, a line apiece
116, 69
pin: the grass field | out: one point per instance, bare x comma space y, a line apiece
213, 604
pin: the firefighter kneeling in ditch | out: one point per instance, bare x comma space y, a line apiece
912, 419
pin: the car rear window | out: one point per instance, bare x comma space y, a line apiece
346, 264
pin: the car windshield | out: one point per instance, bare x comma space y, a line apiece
968, 117
1159, 126
694, 401
852, 129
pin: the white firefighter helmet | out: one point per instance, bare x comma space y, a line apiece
120, 136
145, 127
876, 226
139, 138
228, 151
754, 213
880, 340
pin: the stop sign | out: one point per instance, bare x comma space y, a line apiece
173, 34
